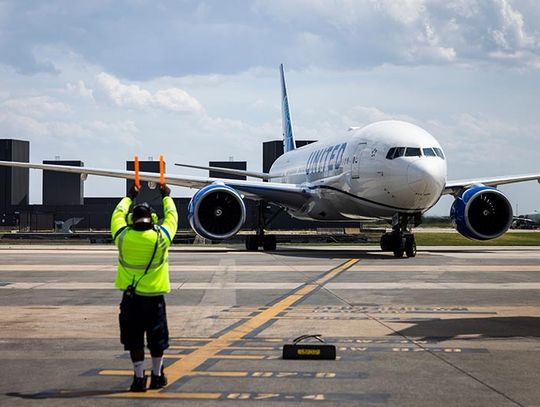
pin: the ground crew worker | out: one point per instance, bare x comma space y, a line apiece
143, 276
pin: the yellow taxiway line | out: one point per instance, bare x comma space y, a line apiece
190, 362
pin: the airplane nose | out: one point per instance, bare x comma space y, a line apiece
424, 178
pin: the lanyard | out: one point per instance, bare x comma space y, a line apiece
149, 263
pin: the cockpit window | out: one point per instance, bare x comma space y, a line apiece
428, 152
400, 151
439, 152
395, 152
413, 152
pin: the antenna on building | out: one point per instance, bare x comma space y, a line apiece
231, 158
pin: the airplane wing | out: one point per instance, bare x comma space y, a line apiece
454, 187
242, 173
289, 195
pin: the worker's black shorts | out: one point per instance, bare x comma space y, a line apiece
142, 314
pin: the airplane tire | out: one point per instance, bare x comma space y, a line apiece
386, 242
410, 246
252, 243
398, 253
269, 243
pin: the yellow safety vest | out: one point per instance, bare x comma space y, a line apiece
135, 250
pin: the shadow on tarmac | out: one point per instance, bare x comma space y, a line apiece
482, 328
486, 249
336, 254
64, 394
359, 252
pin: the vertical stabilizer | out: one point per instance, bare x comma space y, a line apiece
288, 137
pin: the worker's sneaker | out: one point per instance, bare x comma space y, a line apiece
158, 382
139, 384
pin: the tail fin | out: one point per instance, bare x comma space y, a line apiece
288, 137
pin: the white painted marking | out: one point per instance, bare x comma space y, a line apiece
179, 268
433, 286
60, 286
412, 285
240, 286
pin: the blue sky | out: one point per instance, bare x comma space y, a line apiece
197, 81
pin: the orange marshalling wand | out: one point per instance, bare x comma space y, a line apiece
136, 167
161, 170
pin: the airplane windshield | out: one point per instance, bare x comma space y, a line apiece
428, 152
413, 152
396, 152
439, 152
400, 151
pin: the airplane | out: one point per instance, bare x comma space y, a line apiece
526, 221
391, 170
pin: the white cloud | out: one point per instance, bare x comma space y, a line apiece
123, 95
403, 11
363, 115
17, 126
350, 34
413, 32
133, 96
36, 106
176, 100
60, 132
80, 89
511, 33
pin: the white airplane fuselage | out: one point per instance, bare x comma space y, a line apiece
351, 178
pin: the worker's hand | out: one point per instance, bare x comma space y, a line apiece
133, 192
165, 190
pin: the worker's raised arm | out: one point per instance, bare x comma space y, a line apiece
118, 218
170, 219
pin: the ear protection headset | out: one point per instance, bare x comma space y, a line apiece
129, 218
153, 215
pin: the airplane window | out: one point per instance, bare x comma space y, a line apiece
413, 152
400, 151
428, 152
390, 154
439, 152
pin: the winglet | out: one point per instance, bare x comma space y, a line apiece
288, 137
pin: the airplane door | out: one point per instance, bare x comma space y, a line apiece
355, 169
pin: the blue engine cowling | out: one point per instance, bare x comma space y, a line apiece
481, 213
216, 212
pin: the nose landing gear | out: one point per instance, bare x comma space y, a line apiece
400, 241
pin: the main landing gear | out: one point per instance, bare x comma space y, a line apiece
267, 242
400, 241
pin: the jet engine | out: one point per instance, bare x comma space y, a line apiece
216, 212
481, 213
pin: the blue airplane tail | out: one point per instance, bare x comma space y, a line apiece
288, 137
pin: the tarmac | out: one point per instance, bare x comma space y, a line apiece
453, 326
